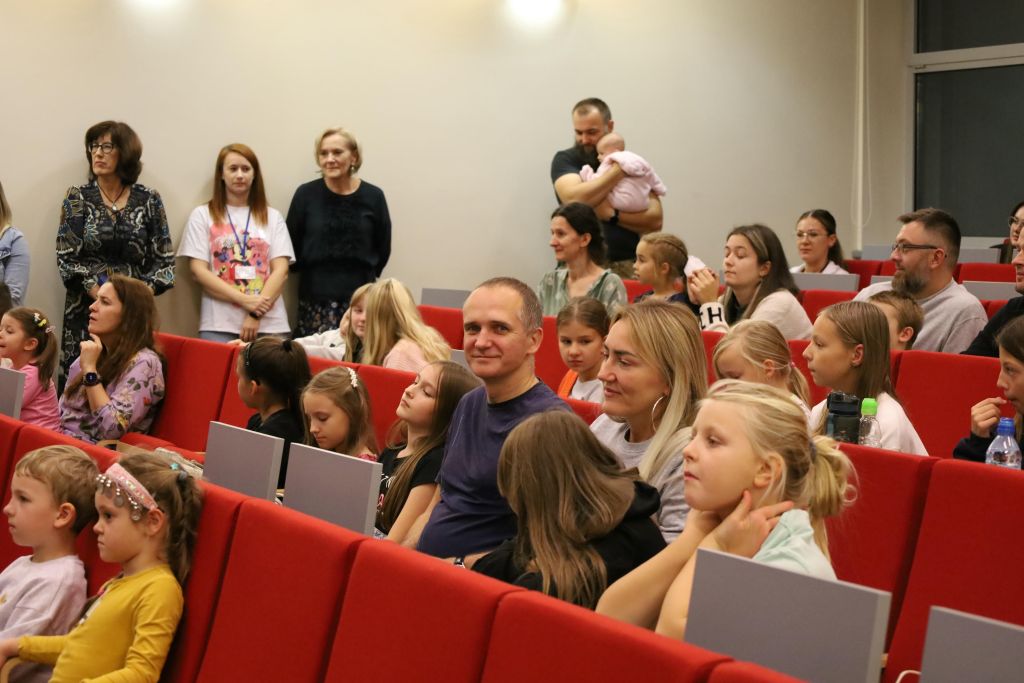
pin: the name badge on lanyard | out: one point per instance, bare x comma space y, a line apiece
242, 271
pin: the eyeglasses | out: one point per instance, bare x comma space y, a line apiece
904, 247
105, 147
811, 235
1015, 222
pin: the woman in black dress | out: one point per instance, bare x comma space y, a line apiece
111, 225
341, 231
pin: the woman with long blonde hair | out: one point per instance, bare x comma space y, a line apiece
584, 520
396, 336
654, 373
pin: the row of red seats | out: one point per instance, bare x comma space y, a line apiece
964, 272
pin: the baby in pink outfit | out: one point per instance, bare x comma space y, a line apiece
632, 193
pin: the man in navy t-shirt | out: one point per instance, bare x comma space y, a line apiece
502, 332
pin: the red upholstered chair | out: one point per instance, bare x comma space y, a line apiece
385, 387
888, 268
537, 638
864, 268
967, 557
986, 272
9, 428
816, 299
318, 364
745, 672
711, 340
425, 619
585, 409
872, 542
203, 586
195, 384
170, 346
549, 365
447, 321
992, 307
635, 288
279, 600
937, 391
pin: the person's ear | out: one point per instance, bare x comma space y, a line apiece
534, 338
585, 238
31, 344
154, 522
857, 356
764, 269
769, 470
65, 516
664, 268
832, 242
905, 335
768, 367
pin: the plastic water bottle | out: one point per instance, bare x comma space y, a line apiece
870, 430
1004, 450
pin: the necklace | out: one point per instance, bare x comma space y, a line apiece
113, 202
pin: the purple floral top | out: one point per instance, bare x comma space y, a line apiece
133, 395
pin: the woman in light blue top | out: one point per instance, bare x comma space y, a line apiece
14, 256
577, 241
758, 486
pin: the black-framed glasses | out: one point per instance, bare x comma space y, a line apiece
105, 147
904, 247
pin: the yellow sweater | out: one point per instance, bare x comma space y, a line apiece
123, 638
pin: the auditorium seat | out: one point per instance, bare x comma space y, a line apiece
195, 382
634, 288
968, 554
549, 365
447, 321
585, 409
539, 639
872, 542
863, 267
279, 601
992, 307
711, 339
987, 272
745, 672
409, 617
9, 428
942, 417
816, 299
318, 364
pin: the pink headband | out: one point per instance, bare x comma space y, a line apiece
118, 483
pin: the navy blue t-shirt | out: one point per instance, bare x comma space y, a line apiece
471, 515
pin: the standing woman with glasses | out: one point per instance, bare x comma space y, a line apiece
341, 230
110, 226
238, 250
818, 244
14, 256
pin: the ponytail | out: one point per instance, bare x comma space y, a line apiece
828, 488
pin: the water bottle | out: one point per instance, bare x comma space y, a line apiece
870, 430
1004, 450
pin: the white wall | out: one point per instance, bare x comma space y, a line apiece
745, 108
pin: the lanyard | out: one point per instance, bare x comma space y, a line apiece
243, 244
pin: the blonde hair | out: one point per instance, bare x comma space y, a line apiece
70, 475
391, 315
667, 337
350, 141
567, 490
816, 475
353, 344
345, 390
758, 341
667, 248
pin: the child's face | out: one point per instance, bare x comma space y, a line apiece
328, 424
420, 398
719, 463
832, 363
891, 317
645, 268
732, 365
118, 539
581, 348
13, 340
358, 319
31, 512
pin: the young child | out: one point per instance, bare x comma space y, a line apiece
758, 487
755, 351
849, 352
346, 341
271, 375
337, 414
661, 260
632, 193
582, 326
51, 501
396, 336
148, 512
904, 315
415, 449
28, 340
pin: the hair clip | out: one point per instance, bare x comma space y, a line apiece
353, 377
182, 473
120, 486
40, 321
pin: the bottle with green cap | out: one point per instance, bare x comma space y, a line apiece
870, 430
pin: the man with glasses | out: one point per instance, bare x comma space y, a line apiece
925, 254
985, 343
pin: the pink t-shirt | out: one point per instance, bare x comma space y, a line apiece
39, 404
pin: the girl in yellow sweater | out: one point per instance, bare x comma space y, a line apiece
148, 512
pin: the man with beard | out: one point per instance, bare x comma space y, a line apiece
591, 120
925, 254
985, 343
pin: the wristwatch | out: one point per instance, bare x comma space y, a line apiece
614, 220
460, 562
91, 379
253, 315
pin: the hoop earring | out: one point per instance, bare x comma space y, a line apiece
654, 409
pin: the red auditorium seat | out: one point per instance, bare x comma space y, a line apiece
203, 586
447, 321
318, 364
987, 272
968, 554
170, 346
585, 409
711, 340
992, 307
872, 542
745, 672
943, 417
537, 638
549, 365
279, 601
888, 268
864, 268
9, 428
385, 387
195, 382
424, 618
634, 288
816, 299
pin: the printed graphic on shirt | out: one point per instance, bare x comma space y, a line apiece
246, 273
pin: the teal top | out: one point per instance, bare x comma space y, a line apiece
553, 291
791, 546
